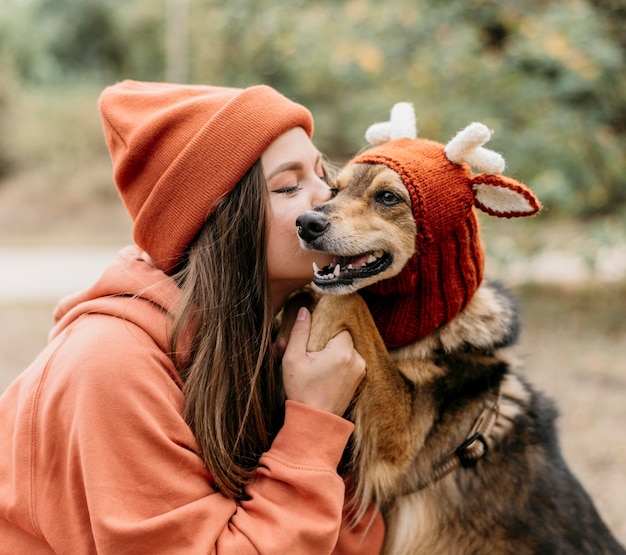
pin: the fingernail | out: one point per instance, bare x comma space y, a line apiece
303, 313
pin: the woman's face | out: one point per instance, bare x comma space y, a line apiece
295, 182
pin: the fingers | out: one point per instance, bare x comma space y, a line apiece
300, 332
326, 379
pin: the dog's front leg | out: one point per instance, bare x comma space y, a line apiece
383, 407
389, 426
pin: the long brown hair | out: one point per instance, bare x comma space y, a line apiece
232, 392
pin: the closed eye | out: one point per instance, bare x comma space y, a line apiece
287, 190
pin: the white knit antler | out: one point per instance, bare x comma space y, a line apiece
467, 147
400, 126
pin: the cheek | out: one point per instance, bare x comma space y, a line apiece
282, 234
282, 218
282, 223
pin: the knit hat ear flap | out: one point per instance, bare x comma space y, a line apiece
503, 197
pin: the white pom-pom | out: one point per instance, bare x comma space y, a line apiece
486, 160
466, 147
401, 125
378, 133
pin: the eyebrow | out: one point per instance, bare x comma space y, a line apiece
290, 166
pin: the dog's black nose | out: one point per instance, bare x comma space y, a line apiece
311, 225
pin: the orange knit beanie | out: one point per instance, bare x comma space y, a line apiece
444, 273
178, 149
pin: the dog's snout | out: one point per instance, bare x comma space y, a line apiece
311, 225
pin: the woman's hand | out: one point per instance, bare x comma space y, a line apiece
327, 379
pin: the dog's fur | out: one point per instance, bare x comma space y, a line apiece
419, 403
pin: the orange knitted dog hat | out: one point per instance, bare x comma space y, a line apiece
178, 149
444, 273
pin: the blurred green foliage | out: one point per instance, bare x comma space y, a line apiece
548, 77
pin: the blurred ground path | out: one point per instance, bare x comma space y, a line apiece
48, 273
605, 265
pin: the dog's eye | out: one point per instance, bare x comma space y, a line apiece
333, 192
387, 198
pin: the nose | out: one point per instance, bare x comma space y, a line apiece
311, 225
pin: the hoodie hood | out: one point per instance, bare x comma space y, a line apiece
132, 288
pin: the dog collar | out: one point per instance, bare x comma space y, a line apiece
473, 449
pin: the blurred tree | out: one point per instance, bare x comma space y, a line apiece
549, 78
568, 60
177, 41
5, 161
66, 38
83, 36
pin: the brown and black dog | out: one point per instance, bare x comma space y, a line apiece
459, 452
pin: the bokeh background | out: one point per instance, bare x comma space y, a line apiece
549, 77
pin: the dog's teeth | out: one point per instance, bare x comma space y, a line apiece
350, 267
337, 270
379, 253
316, 270
371, 259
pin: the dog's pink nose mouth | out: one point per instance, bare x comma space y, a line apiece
347, 271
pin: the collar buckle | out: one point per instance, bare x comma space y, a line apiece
472, 450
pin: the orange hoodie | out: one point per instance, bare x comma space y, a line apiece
95, 456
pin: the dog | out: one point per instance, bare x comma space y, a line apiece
456, 448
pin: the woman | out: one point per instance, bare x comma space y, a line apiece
153, 421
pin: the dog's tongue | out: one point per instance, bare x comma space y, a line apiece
356, 262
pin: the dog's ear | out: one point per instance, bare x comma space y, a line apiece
503, 197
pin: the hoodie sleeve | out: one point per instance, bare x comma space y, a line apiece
111, 452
